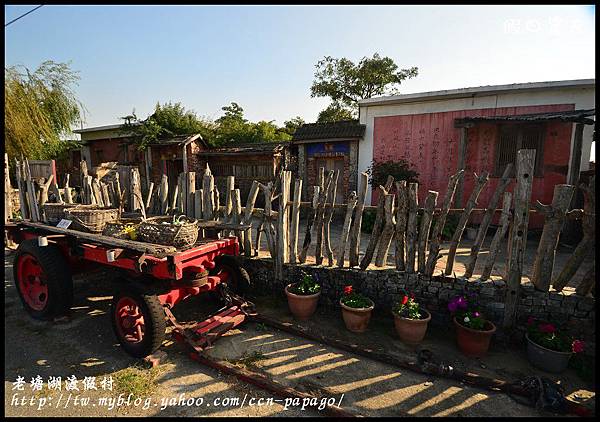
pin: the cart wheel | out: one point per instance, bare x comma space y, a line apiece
238, 280
43, 280
138, 320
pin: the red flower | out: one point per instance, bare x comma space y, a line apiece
530, 320
547, 328
347, 290
412, 295
578, 346
404, 300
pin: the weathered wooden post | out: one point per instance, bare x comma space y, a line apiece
430, 203
436, 237
135, 187
248, 217
464, 218
105, 195
236, 211
311, 218
295, 221
97, 190
7, 191
31, 196
319, 219
283, 224
164, 194
67, 190
500, 233
518, 234
487, 219
411, 227
377, 225
149, 197
587, 244
229, 187
190, 193
354, 249
555, 217
328, 217
25, 214
387, 232
267, 222
401, 217
208, 186
587, 283
352, 199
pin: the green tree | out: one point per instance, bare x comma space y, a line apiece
167, 120
334, 113
233, 128
291, 126
346, 83
40, 108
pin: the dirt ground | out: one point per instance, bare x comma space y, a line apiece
85, 346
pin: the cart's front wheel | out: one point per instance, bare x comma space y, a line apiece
43, 280
138, 320
238, 279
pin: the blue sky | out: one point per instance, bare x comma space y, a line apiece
263, 57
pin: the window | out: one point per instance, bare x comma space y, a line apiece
512, 138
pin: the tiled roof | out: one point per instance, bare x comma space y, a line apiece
341, 129
577, 116
258, 148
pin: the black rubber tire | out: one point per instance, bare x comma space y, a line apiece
58, 279
239, 280
154, 320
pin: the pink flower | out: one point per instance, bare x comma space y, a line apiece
452, 306
578, 346
530, 320
547, 328
347, 290
476, 314
461, 303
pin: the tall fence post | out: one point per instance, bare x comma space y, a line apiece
518, 234
555, 217
295, 221
346, 229
464, 218
500, 233
411, 227
401, 216
430, 203
357, 220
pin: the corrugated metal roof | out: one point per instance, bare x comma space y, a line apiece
341, 129
474, 91
575, 116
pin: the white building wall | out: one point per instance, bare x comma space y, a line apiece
581, 97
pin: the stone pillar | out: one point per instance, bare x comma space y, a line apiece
302, 168
353, 166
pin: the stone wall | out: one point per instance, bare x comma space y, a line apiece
386, 286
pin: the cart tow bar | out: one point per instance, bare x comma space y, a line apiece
203, 334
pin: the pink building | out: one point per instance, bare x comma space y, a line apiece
481, 129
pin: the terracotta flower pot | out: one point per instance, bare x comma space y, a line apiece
546, 359
411, 331
302, 306
356, 319
473, 343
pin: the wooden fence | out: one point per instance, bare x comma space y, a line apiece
417, 246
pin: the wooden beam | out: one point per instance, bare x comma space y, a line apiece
357, 220
462, 157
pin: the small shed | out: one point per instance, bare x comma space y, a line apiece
258, 161
333, 146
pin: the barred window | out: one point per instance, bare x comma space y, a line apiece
512, 138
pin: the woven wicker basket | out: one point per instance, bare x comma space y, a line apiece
91, 218
56, 212
181, 236
115, 229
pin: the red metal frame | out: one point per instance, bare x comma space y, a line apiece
174, 268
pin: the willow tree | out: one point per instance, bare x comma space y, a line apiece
40, 108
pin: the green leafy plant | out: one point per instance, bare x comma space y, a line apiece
368, 220
549, 336
467, 312
307, 286
379, 170
408, 308
354, 299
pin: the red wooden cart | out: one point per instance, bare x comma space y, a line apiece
153, 279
